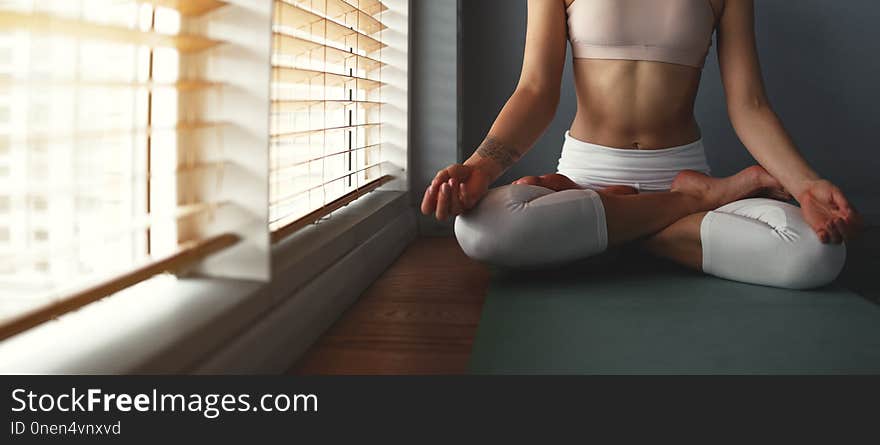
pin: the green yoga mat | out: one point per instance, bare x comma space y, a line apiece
638, 316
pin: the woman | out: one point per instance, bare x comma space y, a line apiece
632, 167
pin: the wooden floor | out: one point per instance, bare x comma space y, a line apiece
420, 317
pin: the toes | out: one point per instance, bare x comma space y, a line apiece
558, 182
528, 180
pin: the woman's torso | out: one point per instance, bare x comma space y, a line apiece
636, 104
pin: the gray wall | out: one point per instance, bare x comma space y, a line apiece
820, 62
434, 89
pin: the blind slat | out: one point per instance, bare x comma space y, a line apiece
181, 85
302, 170
96, 182
370, 7
278, 168
187, 7
141, 223
38, 136
296, 17
281, 228
290, 75
187, 256
282, 135
347, 11
290, 106
290, 197
286, 44
48, 24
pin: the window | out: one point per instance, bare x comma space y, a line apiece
328, 101
146, 136
41, 235
132, 141
40, 203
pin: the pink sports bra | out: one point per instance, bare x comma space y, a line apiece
673, 31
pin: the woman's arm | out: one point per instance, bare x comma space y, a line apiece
761, 131
520, 123
533, 104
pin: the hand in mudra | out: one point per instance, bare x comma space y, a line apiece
454, 190
827, 211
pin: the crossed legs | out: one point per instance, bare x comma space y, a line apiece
704, 223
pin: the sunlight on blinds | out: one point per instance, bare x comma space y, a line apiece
107, 157
327, 105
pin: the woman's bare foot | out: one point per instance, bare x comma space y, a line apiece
716, 192
555, 182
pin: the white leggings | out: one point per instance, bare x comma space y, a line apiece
758, 241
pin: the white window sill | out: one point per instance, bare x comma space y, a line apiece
170, 325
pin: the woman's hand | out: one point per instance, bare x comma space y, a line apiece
454, 190
828, 212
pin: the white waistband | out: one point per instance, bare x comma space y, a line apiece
596, 166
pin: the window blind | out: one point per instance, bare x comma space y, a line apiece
146, 136
122, 132
327, 121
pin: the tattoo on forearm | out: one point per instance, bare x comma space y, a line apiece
495, 150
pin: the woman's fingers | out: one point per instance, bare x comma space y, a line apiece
441, 177
455, 208
841, 227
851, 220
847, 227
444, 197
443, 203
833, 234
456, 171
841, 202
466, 199
429, 201
432, 194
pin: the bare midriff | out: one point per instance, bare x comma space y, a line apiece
635, 104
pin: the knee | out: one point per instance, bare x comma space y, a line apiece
489, 232
812, 264
477, 241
